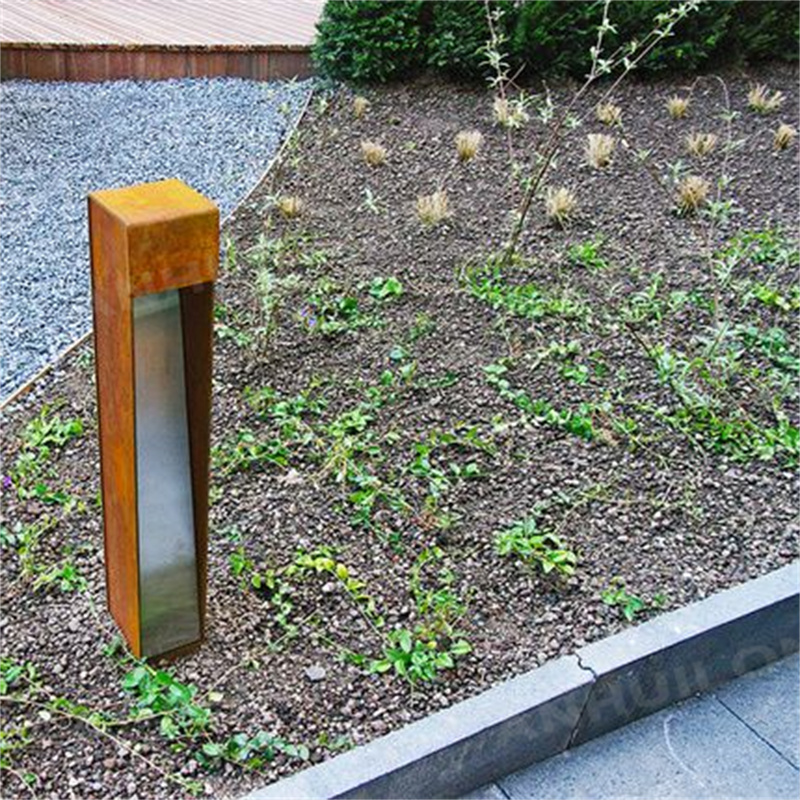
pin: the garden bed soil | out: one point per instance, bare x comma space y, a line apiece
642, 498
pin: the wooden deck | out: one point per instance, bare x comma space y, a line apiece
152, 39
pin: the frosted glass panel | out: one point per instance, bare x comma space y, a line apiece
170, 610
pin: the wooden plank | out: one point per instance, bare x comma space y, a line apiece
290, 22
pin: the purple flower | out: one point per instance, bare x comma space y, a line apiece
7, 482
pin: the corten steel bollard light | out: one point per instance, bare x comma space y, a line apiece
155, 250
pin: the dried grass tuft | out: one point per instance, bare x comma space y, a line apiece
678, 106
290, 206
608, 113
374, 154
433, 208
560, 205
701, 144
599, 149
784, 136
762, 101
360, 106
509, 113
692, 194
467, 144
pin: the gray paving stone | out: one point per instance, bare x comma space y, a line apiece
526, 719
692, 751
489, 792
690, 650
768, 701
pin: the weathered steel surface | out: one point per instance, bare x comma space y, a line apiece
146, 240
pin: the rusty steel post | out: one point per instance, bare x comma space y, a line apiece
154, 251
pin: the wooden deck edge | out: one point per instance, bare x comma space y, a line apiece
80, 62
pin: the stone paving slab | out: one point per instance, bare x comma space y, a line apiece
768, 701
696, 750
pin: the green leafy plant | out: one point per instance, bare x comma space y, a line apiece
385, 288
535, 548
249, 752
158, 693
629, 604
416, 658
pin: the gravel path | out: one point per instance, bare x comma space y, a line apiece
64, 140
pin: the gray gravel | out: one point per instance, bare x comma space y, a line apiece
61, 141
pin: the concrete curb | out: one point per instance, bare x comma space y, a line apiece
568, 701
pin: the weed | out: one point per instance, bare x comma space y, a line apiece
692, 194
433, 208
701, 144
560, 205
24, 539
360, 106
761, 100
290, 206
784, 136
629, 604
385, 288
608, 113
678, 106
587, 255
229, 325
467, 144
374, 154
535, 548
599, 149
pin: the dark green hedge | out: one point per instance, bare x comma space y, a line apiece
379, 40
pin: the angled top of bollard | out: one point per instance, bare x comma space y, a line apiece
164, 235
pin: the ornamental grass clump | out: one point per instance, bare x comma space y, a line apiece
599, 149
784, 136
374, 154
467, 144
360, 106
509, 113
560, 205
433, 208
678, 106
290, 206
692, 194
608, 113
763, 101
701, 144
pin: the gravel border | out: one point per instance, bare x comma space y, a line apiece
63, 140
567, 702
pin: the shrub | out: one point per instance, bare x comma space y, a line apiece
369, 40
458, 36
379, 40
